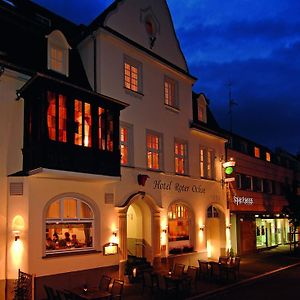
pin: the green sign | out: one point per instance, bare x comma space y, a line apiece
229, 170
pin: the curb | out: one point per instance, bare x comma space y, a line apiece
242, 282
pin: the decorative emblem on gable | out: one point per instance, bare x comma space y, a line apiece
151, 25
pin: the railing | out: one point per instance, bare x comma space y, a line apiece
24, 287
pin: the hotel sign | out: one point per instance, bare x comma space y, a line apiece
242, 200
177, 187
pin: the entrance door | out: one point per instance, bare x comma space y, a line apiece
139, 242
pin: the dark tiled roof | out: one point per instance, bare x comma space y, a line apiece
24, 27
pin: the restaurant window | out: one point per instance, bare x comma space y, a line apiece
256, 152
126, 145
178, 223
132, 75
268, 156
212, 212
83, 120
181, 158
69, 226
170, 92
57, 117
58, 52
154, 150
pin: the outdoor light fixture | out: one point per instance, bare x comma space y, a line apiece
114, 233
202, 227
164, 230
228, 226
16, 234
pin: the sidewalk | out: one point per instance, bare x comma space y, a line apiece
253, 267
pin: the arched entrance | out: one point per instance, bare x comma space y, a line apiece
215, 232
139, 230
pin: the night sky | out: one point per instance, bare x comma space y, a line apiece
253, 44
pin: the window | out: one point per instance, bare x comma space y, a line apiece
256, 152
268, 156
207, 163
105, 129
83, 120
154, 150
212, 212
181, 157
57, 117
258, 184
126, 145
58, 52
132, 75
238, 180
247, 183
69, 226
178, 223
170, 92
202, 107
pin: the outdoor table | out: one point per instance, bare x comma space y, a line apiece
90, 293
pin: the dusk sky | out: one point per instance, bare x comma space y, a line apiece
254, 44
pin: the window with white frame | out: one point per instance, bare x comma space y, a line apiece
132, 75
58, 52
126, 144
154, 150
69, 226
181, 157
170, 92
207, 163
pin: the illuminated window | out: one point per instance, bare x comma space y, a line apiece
58, 52
180, 157
132, 75
256, 152
126, 146
178, 223
83, 119
207, 163
69, 226
105, 129
57, 117
170, 93
268, 156
154, 150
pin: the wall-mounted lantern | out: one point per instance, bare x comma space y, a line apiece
142, 178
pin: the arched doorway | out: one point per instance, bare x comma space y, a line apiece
215, 232
139, 230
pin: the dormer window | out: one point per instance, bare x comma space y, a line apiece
202, 104
58, 53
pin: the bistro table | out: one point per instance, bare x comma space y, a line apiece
90, 293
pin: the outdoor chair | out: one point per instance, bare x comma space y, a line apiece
234, 268
104, 283
51, 295
224, 259
203, 270
178, 270
165, 288
117, 289
149, 281
189, 281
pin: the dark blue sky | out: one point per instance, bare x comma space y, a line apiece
255, 44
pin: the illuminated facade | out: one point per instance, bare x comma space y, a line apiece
258, 195
103, 142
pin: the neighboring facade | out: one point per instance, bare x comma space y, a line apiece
148, 178
258, 195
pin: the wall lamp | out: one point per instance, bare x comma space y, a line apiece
114, 233
202, 227
228, 226
16, 234
164, 230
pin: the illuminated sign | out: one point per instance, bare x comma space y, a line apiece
242, 200
229, 170
110, 249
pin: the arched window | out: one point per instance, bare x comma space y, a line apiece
178, 223
69, 226
58, 52
212, 212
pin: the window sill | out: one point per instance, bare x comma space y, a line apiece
70, 253
172, 108
133, 93
155, 170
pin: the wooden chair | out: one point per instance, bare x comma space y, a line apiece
178, 270
224, 259
104, 283
164, 287
149, 281
189, 281
117, 289
234, 268
203, 270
